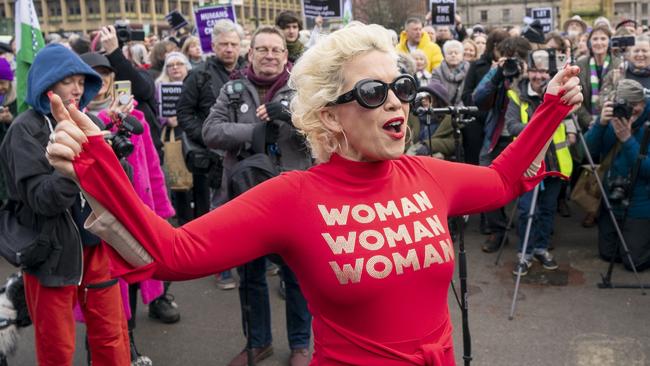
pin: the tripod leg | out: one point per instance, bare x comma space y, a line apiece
605, 200
522, 259
505, 235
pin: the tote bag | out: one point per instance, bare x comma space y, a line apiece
179, 177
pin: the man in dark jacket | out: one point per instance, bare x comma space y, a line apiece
77, 268
200, 90
258, 117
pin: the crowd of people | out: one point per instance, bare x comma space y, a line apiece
278, 92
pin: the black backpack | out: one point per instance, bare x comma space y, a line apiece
249, 172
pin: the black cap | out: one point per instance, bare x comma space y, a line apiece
626, 21
5, 48
96, 59
534, 32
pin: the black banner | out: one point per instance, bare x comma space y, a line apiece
324, 8
443, 12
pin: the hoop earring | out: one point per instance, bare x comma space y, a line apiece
347, 146
409, 133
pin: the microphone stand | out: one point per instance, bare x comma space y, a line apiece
607, 279
456, 120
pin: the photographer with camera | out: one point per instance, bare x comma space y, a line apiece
620, 127
523, 100
490, 95
435, 130
77, 265
142, 84
252, 113
132, 144
200, 90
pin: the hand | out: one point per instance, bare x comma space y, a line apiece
116, 107
5, 115
571, 138
319, 21
108, 39
262, 113
427, 17
70, 134
499, 62
278, 111
172, 121
566, 80
622, 128
458, 20
607, 113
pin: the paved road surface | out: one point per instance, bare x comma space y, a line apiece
561, 318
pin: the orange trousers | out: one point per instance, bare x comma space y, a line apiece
101, 303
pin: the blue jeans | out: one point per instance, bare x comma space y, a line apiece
298, 317
542, 227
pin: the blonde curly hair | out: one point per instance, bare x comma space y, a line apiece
318, 80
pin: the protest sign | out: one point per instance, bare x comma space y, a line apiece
169, 93
204, 19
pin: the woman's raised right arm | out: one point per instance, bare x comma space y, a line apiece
244, 229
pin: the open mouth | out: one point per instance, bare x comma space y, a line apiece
394, 127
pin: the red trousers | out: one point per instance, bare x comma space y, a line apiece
54, 326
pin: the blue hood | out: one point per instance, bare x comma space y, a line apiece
51, 65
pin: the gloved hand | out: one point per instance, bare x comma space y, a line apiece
278, 111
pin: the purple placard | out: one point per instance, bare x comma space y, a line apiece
206, 17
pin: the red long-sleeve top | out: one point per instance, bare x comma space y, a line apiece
368, 242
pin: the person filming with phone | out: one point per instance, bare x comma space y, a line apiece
621, 127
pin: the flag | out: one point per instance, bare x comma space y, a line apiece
347, 11
29, 40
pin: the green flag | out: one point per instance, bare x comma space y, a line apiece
29, 40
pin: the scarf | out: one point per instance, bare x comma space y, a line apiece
595, 80
273, 84
96, 106
295, 49
455, 75
639, 72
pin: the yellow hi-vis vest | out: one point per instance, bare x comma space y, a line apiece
559, 137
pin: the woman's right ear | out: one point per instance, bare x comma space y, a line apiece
329, 118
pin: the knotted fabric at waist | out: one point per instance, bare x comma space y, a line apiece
335, 345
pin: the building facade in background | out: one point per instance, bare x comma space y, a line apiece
87, 15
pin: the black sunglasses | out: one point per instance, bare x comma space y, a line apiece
371, 93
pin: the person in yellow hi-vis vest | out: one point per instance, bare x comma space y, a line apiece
523, 99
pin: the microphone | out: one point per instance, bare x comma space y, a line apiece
130, 123
469, 111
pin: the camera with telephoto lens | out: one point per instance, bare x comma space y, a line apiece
511, 68
126, 126
622, 109
125, 34
618, 189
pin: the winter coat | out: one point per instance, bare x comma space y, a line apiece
601, 139
148, 178
490, 95
40, 192
200, 90
430, 49
236, 129
584, 112
453, 80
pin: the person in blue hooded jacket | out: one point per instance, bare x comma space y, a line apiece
77, 267
625, 136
